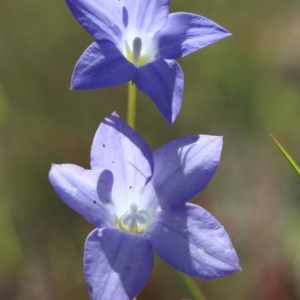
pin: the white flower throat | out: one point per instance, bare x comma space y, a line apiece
139, 51
134, 220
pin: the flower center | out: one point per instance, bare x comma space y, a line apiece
134, 220
139, 51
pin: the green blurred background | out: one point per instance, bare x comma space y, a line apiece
243, 88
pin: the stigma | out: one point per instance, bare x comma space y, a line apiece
136, 49
134, 220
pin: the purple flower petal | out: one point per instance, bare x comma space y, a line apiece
191, 240
118, 148
101, 65
102, 19
162, 81
183, 167
146, 15
117, 264
185, 33
77, 187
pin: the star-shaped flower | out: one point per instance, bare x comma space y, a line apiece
139, 40
137, 202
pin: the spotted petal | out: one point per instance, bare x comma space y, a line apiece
162, 81
120, 149
101, 65
117, 264
185, 33
192, 241
84, 191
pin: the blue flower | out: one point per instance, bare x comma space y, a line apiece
137, 200
138, 40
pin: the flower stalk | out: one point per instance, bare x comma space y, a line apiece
190, 285
131, 107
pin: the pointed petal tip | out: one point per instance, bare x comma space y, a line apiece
220, 139
73, 85
171, 120
226, 33
56, 173
174, 114
235, 269
170, 117
233, 263
53, 168
236, 264
114, 113
78, 84
215, 142
225, 268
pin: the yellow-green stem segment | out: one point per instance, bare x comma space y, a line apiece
187, 281
191, 286
131, 108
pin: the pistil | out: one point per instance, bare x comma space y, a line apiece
134, 220
136, 50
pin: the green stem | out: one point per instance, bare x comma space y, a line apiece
190, 285
186, 281
131, 104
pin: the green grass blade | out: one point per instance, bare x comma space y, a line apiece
287, 155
